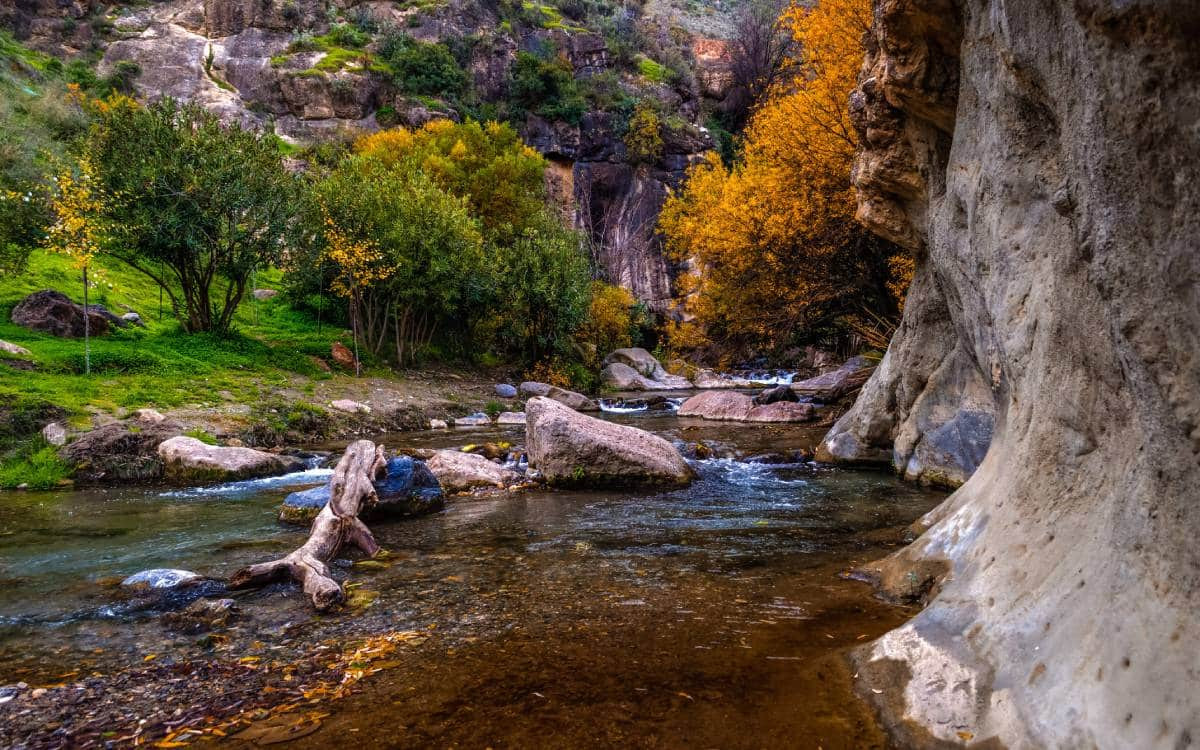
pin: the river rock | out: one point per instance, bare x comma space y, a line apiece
778, 393
161, 578
121, 451
511, 417
55, 434
840, 382
15, 350
534, 388
721, 405
706, 379
1037, 161
504, 390
575, 449
186, 459
731, 406
478, 419
637, 369
459, 472
201, 616
438, 424
350, 407
54, 313
571, 399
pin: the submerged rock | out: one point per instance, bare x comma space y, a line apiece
459, 472
575, 449
186, 459
162, 578
202, 615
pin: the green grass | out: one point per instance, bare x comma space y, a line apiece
652, 71
35, 464
161, 365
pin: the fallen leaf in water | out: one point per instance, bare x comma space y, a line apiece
150, 657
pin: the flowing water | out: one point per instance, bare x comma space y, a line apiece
712, 616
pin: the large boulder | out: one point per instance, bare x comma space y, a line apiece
622, 377
459, 472
187, 459
1038, 161
731, 406
54, 313
646, 365
575, 449
840, 382
121, 451
408, 488
778, 393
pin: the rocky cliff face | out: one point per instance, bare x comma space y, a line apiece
1041, 160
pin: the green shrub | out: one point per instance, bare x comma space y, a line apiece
423, 68
643, 139
545, 87
345, 35
652, 71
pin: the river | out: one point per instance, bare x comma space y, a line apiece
713, 616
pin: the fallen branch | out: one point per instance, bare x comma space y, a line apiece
352, 491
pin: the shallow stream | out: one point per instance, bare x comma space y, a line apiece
709, 616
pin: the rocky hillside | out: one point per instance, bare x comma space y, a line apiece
1040, 160
571, 76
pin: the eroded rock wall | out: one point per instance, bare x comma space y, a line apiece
1041, 160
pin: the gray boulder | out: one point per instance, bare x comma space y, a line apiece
534, 388
570, 448
731, 406
637, 369
504, 390
186, 459
778, 393
54, 313
571, 399
837, 383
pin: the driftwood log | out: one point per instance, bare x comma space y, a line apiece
352, 491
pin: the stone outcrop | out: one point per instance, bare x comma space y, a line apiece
461, 472
187, 459
569, 448
1039, 160
54, 313
730, 406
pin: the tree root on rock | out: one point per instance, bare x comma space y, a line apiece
352, 491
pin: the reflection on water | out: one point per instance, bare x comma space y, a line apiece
711, 563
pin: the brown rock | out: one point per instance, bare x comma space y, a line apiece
342, 356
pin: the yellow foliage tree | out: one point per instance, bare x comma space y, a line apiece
771, 243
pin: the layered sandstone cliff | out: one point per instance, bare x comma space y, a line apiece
1041, 159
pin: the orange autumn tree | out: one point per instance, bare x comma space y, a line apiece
773, 253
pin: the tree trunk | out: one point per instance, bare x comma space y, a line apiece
353, 490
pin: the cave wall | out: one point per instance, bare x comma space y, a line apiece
1040, 159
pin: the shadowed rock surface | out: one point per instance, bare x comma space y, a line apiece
187, 459
1040, 160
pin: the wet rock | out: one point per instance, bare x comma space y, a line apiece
186, 459
478, 419
459, 472
511, 417
342, 356
54, 313
778, 393
15, 350
202, 616
840, 382
121, 451
575, 449
504, 390
350, 407
781, 411
55, 434
161, 578
533, 388
264, 294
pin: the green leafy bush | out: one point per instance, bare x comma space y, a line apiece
35, 465
423, 68
545, 87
